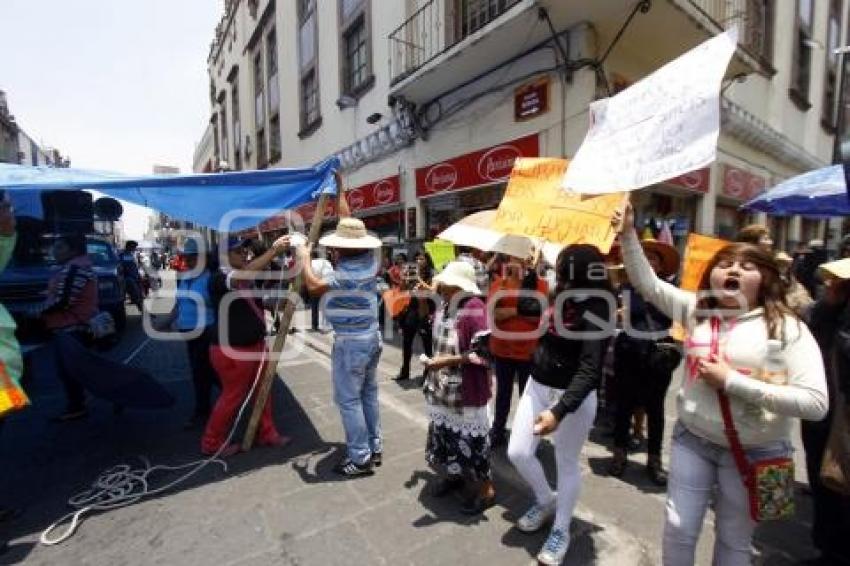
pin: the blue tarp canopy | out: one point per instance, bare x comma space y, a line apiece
213, 200
820, 193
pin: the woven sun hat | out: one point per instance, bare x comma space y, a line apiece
784, 258
459, 274
668, 254
837, 269
350, 234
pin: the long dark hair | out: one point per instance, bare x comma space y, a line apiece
576, 266
428, 273
772, 291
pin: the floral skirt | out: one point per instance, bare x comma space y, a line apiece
459, 446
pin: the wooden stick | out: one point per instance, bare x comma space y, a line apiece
270, 371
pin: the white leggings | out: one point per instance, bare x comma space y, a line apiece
568, 439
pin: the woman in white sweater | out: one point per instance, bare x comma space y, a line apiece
743, 288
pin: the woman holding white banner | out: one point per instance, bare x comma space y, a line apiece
752, 368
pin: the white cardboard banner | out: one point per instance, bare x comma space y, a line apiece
661, 127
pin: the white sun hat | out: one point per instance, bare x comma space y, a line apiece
839, 269
350, 234
459, 274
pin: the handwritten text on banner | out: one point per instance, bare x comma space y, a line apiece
662, 127
534, 205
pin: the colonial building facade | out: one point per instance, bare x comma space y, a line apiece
428, 102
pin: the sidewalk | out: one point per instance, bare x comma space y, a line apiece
286, 505
630, 509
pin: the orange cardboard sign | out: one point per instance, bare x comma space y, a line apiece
698, 252
535, 205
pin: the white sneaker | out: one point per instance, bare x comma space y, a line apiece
555, 547
537, 516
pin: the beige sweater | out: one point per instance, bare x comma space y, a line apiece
770, 383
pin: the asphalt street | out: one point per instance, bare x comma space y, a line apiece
286, 506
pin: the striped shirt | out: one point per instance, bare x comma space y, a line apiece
71, 294
351, 305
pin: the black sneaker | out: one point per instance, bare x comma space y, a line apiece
377, 459
351, 469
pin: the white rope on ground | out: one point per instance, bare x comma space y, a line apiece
136, 351
122, 485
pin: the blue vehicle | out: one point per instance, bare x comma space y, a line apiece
23, 285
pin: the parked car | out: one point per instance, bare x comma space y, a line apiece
23, 285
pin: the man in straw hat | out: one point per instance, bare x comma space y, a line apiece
352, 311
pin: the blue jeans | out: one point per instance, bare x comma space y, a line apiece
355, 364
702, 472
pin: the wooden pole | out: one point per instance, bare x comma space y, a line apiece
265, 386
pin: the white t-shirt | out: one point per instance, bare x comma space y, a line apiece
322, 268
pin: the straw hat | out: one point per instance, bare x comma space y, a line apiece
459, 274
350, 234
784, 258
668, 254
839, 269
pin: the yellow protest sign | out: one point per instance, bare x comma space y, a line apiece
535, 205
441, 252
698, 252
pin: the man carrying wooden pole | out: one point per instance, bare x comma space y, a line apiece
286, 309
351, 307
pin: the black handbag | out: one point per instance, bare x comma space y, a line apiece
663, 355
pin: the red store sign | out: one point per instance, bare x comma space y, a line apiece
483, 167
380, 193
741, 185
693, 181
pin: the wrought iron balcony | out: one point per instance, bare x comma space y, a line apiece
753, 18
436, 27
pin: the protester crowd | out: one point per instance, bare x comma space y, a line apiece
587, 339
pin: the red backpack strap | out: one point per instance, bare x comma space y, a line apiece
728, 424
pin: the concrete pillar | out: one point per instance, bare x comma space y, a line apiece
708, 202
795, 228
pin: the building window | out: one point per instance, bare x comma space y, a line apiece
274, 140
308, 67
271, 71
802, 64
758, 29
237, 126
831, 74
262, 160
216, 151
473, 15
225, 145
355, 46
259, 93
309, 99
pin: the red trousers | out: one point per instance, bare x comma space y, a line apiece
236, 377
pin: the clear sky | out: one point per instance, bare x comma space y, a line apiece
117, 85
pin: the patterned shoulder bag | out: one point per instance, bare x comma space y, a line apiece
769, 482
